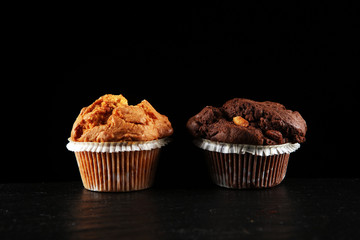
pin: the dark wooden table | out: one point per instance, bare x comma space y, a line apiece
296, 209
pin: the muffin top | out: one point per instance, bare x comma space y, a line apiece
245, 121
111, 119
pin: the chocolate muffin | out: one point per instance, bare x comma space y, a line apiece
247, 143
246, 121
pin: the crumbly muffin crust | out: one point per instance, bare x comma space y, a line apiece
246, 121
111, 119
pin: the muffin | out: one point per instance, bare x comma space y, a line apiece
247, 143
117, 145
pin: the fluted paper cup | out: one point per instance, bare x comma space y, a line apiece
117, 166
242, 166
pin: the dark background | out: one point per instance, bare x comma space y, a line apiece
182, 58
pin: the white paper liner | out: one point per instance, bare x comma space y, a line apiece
259, 150
116, 146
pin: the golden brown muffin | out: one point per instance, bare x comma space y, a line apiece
111, 119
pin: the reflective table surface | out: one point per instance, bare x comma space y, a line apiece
295, 209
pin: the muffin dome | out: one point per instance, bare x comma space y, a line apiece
244, 121
111, 119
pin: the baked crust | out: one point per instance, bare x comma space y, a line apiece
111, 119
262, 123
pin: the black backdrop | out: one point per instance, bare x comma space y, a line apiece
182, 58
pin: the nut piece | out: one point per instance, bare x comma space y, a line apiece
240, 121
275, 135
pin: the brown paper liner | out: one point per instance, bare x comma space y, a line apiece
117, 171
241, 171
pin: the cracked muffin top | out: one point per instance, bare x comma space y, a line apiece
111, 119
245, 121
